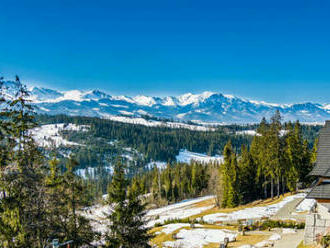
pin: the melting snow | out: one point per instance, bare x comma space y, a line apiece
198, 238
186, 156
306, 205
251, 213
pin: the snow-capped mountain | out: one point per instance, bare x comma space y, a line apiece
207, 107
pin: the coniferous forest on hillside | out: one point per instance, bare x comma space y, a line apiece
42, 196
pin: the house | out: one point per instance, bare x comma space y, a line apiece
318, 221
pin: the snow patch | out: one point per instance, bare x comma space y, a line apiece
199, 237
306, 205
186, 156
251, 213
49, 135
153, 123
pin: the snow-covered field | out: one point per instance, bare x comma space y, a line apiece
154, 123
179, 210
197, 238
252, 213
49, 135
186, 156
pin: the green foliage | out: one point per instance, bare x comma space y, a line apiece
177, 182
127, 222
156, 143
178, 220
281, 224
37, 202
276, 161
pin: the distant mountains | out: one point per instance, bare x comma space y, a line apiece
207, 107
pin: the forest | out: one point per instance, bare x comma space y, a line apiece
42, 199
156, 143
276, 162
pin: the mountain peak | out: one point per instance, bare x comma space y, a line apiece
205, 107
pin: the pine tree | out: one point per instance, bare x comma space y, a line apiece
230, 178
66, 195
247, 175
127, 221
23, 203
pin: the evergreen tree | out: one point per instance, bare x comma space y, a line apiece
247, 174
127, 221
22, 204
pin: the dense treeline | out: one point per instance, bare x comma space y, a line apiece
278, 160
175, 182
39, 202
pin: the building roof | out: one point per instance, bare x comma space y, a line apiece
322, 167
321, 191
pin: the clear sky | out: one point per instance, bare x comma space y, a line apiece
277, 51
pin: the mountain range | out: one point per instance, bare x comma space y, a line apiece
207, 107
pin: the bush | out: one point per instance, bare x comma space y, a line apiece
177, 220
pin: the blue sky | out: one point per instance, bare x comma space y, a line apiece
277, 51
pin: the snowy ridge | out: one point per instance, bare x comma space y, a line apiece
153, 123
208, 107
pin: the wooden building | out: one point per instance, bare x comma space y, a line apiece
318, 221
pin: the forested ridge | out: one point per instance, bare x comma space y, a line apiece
156, 143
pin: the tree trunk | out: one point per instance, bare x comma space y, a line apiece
265, 188
278, 187
272, 188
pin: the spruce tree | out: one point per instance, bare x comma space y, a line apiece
127, 221
23, 215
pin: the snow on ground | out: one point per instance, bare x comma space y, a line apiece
275, 237
251, 213
91, 171
173, 227
254, 132
288, 230
247, 132
179, 210
269, 242
97, 214
306, 205
158, 164
186, 156
199, 237
49, 135
154, 123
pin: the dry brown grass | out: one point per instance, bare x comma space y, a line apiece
242, 240
206, 203
259, 203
